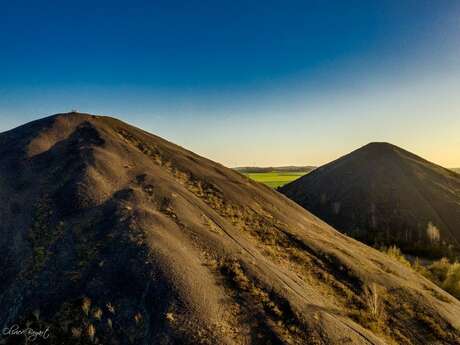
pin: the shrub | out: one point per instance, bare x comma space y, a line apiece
420, 268
396, 254
86, 305
91, 331
439, 270
373, 300
452, 282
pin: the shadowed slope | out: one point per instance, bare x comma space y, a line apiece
381, 193
113, 235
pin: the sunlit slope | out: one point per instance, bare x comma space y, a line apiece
112, 235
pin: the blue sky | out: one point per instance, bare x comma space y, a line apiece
243, 82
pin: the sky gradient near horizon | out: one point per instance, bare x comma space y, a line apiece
258, 83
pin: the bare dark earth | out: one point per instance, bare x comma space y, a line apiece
384, 195
111, 235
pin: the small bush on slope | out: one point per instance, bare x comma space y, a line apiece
396, 254
452, 282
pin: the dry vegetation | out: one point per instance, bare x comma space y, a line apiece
443, 272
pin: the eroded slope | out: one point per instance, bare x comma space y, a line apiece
113, 235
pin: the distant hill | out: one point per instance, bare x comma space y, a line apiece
112, 235
300, 169
457, 170
382, 194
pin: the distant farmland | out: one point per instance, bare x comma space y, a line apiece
275, 179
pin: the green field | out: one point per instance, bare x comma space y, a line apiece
275, 179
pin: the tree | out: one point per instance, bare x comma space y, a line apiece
433, 233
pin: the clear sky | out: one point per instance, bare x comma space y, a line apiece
243, 82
